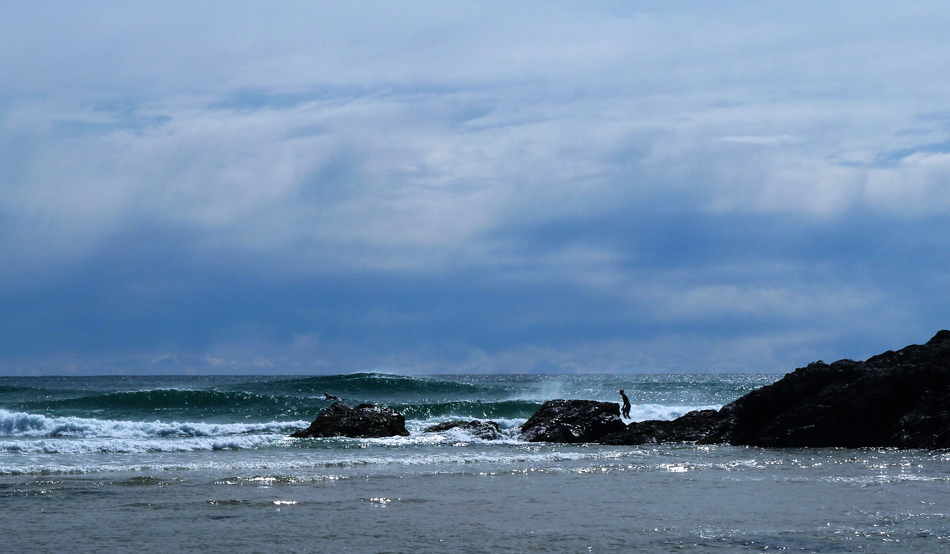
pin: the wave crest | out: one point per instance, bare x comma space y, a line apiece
20, 424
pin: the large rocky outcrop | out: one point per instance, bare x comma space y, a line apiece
896, 399
363, 421
572, 421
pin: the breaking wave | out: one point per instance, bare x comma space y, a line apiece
20, 424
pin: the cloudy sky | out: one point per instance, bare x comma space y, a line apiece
428, 187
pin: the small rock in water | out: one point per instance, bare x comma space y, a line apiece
485, 430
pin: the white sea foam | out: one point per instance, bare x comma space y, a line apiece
20, 424
101, 445
503, 423
450, 437
37, 435
440, 461
663, 412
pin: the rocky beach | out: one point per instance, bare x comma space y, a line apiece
896, 399
483, 463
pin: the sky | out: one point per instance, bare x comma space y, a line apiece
470, 187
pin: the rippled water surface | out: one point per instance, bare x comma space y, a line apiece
189, 465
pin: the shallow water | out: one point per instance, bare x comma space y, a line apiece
514, 498
96, 486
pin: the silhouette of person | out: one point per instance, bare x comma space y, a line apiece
625, 411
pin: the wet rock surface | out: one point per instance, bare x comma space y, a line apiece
363, 421
692, 427
895, 399
572, 421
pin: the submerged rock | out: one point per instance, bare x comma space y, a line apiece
485, 430
572, 421
363, 421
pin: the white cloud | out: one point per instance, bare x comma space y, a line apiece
417, 138
919, 183
763, 301
763, 140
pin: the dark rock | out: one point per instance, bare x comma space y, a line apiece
363, 421
896, 399
485, 430
692, 427
572, 421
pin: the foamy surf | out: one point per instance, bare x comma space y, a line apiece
101, 445
645, 412
378, 455
116, 458
20, 424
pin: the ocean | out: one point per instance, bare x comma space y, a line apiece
205, 464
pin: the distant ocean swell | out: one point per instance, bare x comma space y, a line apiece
417, 399
176, 402
378, 384
282, 399
180, 414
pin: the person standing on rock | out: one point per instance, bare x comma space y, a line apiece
625, 411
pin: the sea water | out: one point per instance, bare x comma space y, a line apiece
205, 464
